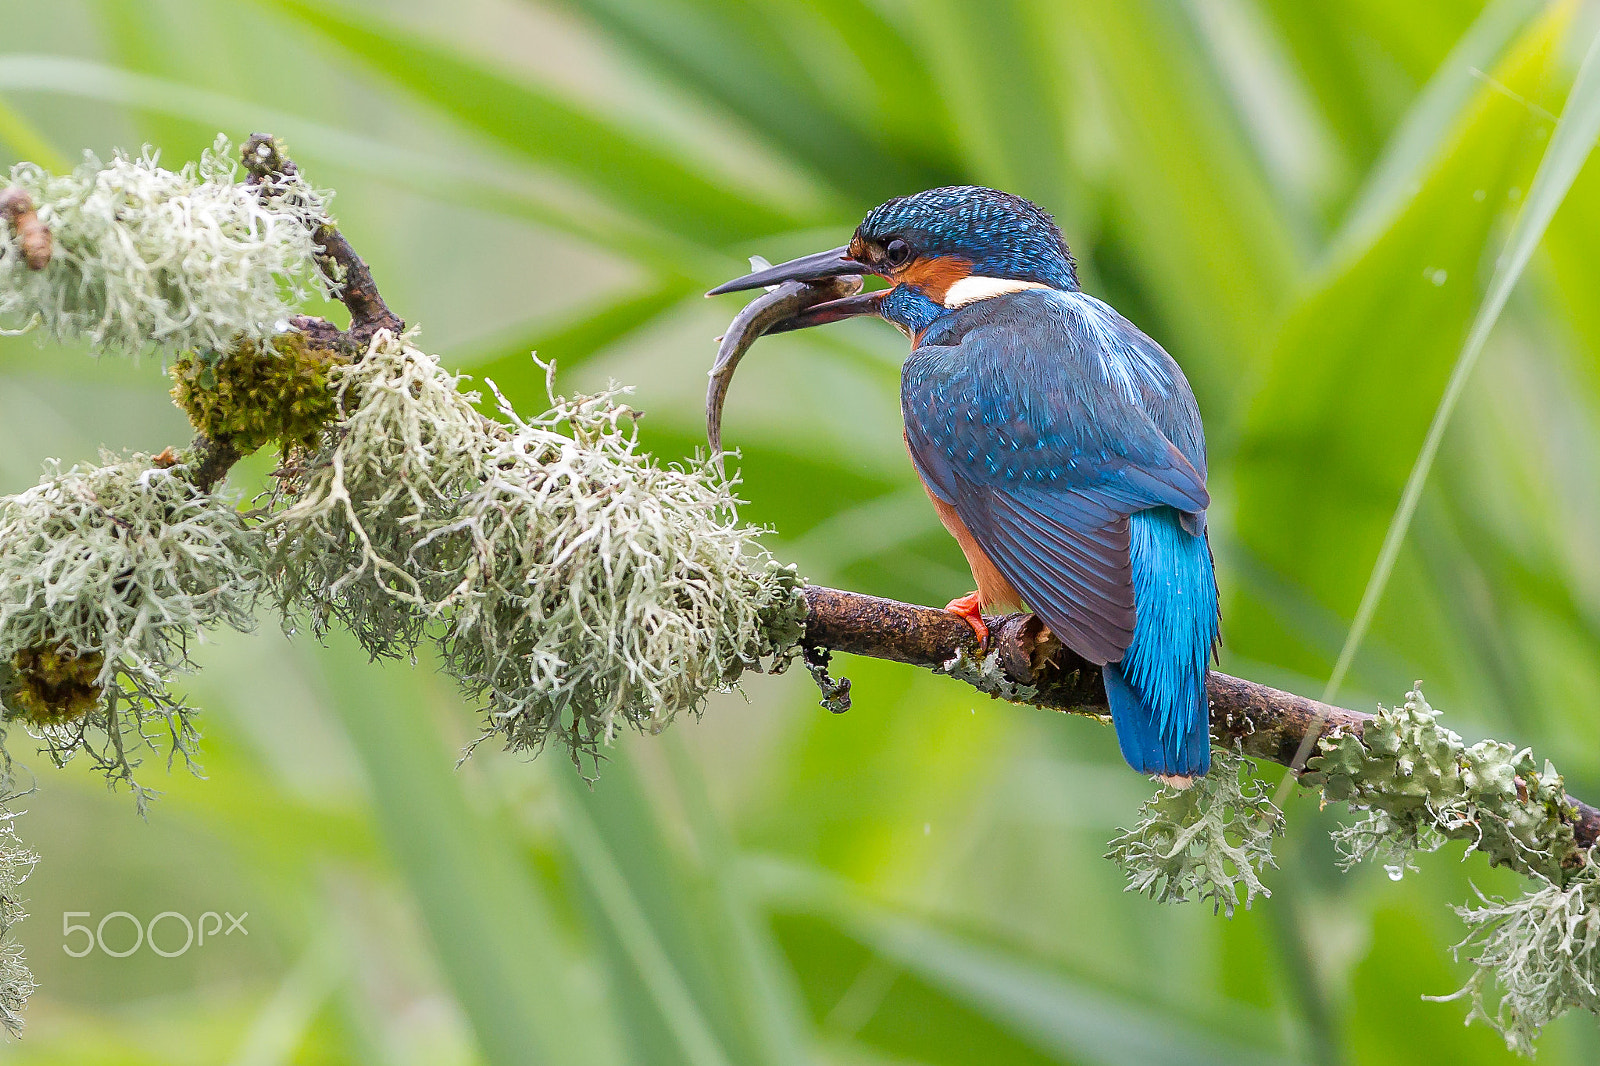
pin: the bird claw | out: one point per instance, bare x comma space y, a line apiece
970, 609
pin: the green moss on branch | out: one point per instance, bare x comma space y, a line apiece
259, 392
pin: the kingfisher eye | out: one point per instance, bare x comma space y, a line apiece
897, 253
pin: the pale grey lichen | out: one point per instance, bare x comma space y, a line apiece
16, 980
1377, 835
986, 674
1206, 841
171, 260
367, 530
1420, 785
607, 589
574, 584
119, 567
1534, 957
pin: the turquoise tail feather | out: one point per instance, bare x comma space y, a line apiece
1157, 693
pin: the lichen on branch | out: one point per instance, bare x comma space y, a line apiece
608, 589
16, 864
152, 259
1207, 841
572, 583
1421, 785
1534, 957
361, 530
108, 575
1417, 785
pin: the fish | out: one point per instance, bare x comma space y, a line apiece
771, 312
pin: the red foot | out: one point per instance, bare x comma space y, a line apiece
970, 609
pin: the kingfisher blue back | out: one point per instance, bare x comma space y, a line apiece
1060, 446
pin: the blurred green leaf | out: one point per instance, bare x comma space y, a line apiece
872, 67
312, 141
637, 935
1408, 951
285, 1021
1062, 1017
1569, 148
634, 174
1414, 145
142, 37
1350, 383
492, 930
1188, 194
762, 987
685, 941
1008, 95
26, 142
741, 57
573, 342
1575, 275
1360, 59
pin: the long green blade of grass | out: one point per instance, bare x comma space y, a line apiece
1339, 394
762, 987
639, 937
1569, 149
1423, 130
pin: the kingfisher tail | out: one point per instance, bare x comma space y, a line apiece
1157, 693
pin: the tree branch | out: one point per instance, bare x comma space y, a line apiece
216, 457
267, 165
1268, 723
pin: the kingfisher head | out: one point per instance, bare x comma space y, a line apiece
939, 251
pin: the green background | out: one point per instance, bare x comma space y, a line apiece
1301, 199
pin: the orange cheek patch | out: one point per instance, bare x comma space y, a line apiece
935, 275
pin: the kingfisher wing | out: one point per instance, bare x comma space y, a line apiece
1045, 422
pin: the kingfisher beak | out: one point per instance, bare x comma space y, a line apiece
866, 303
829, 264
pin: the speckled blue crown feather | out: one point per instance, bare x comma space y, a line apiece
1003, 235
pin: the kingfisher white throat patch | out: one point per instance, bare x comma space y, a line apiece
976, 287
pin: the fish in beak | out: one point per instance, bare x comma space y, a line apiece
804, 292
814, 270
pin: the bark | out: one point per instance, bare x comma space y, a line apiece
1268, 723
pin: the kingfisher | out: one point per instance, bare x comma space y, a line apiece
1060, 446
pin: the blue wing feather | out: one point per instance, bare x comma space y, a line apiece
1046, 420
1074, 580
